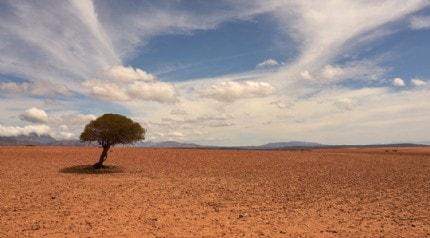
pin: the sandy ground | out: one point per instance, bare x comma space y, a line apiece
46, 192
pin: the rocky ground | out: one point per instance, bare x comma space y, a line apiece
50, 192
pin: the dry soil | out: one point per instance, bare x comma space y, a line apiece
51, 192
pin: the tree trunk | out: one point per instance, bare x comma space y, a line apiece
103, 157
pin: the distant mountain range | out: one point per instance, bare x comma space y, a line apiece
167, 144
32, 139
35, 139
277, 145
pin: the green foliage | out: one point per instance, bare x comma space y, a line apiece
111, 129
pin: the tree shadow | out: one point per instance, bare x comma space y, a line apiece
89, 169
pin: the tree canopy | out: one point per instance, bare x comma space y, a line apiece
112, 129
109, 130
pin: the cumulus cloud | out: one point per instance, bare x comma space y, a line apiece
231, 91
109, 33
268, 63
128, 83
64, 135
156, 91
67, 125
128, 73
306, 75
398, 82
84, 118
26, 130
74, 120
420, 22
34, 115
106, 90
322, 35
418, 82
161, 92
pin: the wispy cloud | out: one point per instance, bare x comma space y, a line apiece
84, 48
420, 22
230, 91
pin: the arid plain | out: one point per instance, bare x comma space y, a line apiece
380, 192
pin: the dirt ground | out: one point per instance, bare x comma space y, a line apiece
48, 192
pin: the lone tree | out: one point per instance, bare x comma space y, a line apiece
109, 130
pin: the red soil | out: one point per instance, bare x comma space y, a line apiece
213, 193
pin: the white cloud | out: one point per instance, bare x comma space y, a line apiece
38, 51
356, 70
128, 83
136, 24
268, 63
418, 82
109, 34
330, 71
420, 22
26, 130
156, 91
325, 28
85, 118
176, 134
35, 115
106, 90
69, 124
398, 82
65, 124
46, 88
40, 88
128, 73
306, 75
161, 92
231, 91
65, 135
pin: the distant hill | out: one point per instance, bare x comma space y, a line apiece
35, 139
280, 145
31, 139
425, 143
277, 145
167, 144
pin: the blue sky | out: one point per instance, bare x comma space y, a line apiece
233, 47
219, 72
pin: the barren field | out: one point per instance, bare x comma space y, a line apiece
48, 192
